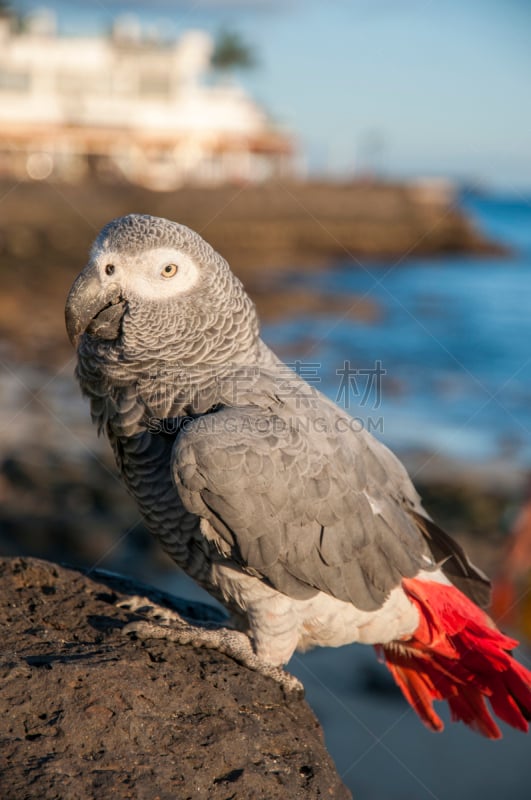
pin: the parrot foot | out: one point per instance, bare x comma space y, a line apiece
169, 625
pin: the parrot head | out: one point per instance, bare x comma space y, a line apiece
151, 281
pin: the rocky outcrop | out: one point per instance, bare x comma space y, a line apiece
89, 713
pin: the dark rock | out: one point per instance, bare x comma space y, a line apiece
88, 713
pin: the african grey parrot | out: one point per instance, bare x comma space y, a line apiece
306, 528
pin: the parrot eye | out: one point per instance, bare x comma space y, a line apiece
109, 269
169, 271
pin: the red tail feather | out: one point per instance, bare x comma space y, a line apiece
457, 654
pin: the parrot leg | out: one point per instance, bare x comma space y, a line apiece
171, 626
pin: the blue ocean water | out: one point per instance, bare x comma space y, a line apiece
453, 335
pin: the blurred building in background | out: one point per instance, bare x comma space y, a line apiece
128, 107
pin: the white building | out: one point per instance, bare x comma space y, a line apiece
128, 107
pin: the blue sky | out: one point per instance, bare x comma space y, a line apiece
412, 86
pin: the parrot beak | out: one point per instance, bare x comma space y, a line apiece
92, 308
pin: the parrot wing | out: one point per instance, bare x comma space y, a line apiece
304, 500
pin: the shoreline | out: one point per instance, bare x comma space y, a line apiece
264, 232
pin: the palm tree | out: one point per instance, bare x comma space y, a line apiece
231, 52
